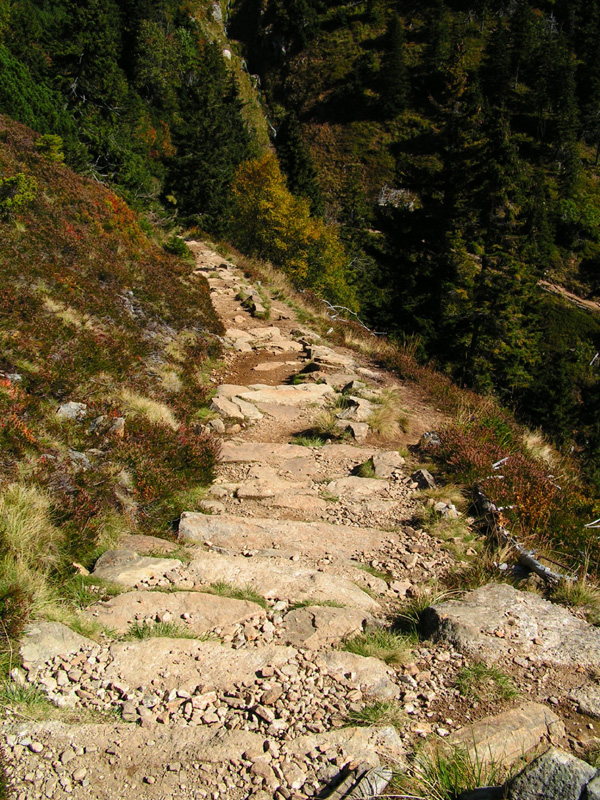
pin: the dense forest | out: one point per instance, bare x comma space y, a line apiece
434, 161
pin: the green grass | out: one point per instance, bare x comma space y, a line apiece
309, 441
480, 682
366, 470
168, 630
307, 603
409, 617
376, 573
444, 773
82, 591
381, 712
579, 594
392, 648
224, 589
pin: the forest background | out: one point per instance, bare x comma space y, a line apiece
425, 164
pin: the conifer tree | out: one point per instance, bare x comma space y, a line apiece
393, 76
294, 157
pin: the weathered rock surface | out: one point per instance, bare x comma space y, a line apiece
45, 640
279, 579
369, 672
186, 663
555, 775
496, 622
311, 538
387, 463
197, 612
587, 698
130, 569
319, 626
506, 737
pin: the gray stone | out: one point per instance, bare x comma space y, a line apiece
328, 358
497, 622
358, 410
371, 673
128, 568
314, 627
43, 641
588, 699
279, 579
424, 479
226, 408
249, 411
354, 487
385, 464
593, 789
72, 411
506, 737
555, 775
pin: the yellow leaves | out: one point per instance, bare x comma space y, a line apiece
269, 222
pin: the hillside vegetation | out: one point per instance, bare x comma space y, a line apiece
456, 144
95, 315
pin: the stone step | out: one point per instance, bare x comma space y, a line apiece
498, 622
99, 761
283, 579
196, 612
313, 539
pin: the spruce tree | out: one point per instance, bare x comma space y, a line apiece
393, 76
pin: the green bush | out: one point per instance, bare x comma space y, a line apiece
16, 193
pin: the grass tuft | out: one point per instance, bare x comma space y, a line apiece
381, 712
392, 648
389, 419
167, 630
481, 682
152, 410
224, 589
366, 470
445, 773
310, 603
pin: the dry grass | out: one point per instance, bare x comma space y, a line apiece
392, 648
388, 418
152, 410
27, 533
538, 448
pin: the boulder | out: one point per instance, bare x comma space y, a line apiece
424, 479
72, 411
226, 408
555, 775
128, 568
506, 737
314, 627
588, 699
497, 622
42, 641
385, 464
328, 358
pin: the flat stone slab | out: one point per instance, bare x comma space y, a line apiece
354, 486
128, 568
210, 745
43, 641
588, 699
371, 673
314, 627
278, 579
326, 357
253, 533
186, 663
226, 408
144, 545
263, 452
497, 622
229, 390
302, 395
206, 611
555, 775
506, 737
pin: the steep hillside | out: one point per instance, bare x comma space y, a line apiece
105, 339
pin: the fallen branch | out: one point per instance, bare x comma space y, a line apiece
525, 557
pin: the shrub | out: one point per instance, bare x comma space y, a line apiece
16, 193
51, 147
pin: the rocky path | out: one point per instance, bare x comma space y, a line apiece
248, 690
